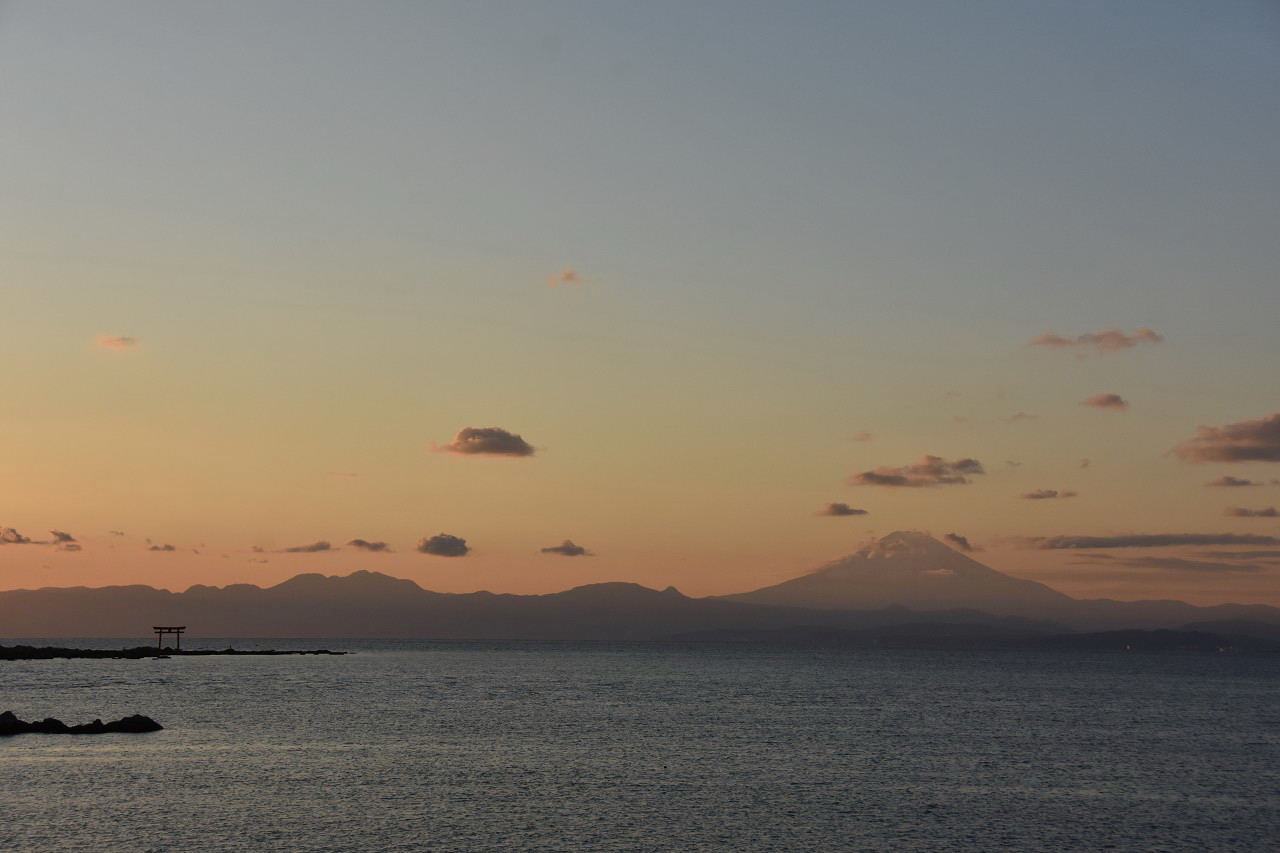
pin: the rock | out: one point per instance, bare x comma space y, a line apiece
135, 724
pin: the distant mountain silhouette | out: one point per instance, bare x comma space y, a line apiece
904, 579
368, 604
917, 571
910, 570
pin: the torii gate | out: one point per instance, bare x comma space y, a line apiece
176, 630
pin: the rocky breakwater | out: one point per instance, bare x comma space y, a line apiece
136, 724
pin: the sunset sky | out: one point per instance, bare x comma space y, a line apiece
718, 268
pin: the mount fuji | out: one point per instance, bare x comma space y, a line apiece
909, 569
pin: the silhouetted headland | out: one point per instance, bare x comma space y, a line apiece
136, 724
139, 652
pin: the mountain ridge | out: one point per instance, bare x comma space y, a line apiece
905, 577
341, 605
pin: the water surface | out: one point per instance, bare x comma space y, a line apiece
528, 746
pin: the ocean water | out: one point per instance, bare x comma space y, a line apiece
528, 746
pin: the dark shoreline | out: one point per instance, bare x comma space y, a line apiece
138, 653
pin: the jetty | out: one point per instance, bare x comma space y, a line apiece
13, 653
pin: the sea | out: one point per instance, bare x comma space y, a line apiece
408, 746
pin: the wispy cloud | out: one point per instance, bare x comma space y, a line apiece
366, 545
567, 548
836, 508
567, 277
1017, 417
116, 343
863, 436
961, 542
1173, 564
1113, 402
487, 441
64, 541
9, 536
1244, 441
929, 471
1242, 555
1244, 512
58, 538
1149, 540
1047, 495
166, 548
1107, 340
311, 548
1228, 482
444, 545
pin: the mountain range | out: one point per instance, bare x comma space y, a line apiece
904, 579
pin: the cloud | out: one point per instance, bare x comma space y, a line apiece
1245, 441
1114, 402
64, 541
1175, 564
566, 277
116, 343
165, 547
961, 542
116, 532
1149, 540
1226, 481
490, 441
1047, 495
1019, 416
313, 548
366, 545
929, 471
1242, 512
61, 539
1242, 555
567, 548
841, 509
863, 436
1107, 340
444, 545
9, 536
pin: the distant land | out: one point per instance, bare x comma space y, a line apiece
916, 571
904, 579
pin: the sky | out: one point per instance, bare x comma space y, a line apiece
718, 265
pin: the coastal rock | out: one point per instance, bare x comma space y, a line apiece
134, 724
